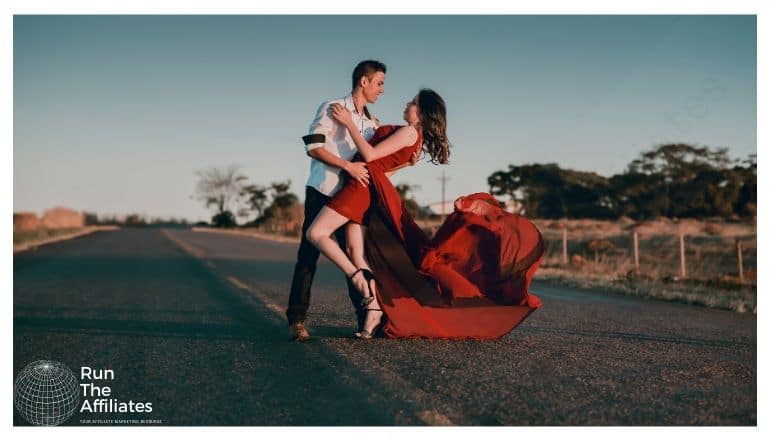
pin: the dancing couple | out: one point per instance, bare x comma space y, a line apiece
470, 280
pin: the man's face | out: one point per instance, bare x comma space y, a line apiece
373, 86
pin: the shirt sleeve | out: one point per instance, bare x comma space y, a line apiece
320, 128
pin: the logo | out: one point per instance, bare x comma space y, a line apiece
46, 393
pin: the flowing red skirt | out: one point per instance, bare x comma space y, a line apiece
470, 281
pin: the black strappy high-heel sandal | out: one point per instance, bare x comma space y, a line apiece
369, 277
363, 334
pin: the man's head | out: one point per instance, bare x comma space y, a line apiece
369, 76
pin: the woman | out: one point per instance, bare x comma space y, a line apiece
474, 270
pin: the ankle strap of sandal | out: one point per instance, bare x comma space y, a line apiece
350, 277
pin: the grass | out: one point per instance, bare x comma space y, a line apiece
735, 297
23, 237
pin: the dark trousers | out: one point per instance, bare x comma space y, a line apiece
307, 258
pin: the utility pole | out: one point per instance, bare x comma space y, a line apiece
443, 180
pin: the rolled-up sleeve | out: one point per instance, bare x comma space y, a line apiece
319, 129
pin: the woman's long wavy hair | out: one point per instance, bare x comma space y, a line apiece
433, 122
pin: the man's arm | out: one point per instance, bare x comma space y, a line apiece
357, 170
320, 129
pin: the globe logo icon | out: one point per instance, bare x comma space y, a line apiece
46, 393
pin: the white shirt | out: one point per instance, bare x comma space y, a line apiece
326, 132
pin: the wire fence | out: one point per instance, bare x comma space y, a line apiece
655, 256
666, 250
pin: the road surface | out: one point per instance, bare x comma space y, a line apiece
193, 323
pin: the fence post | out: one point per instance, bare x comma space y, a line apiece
682, 265
636, 251
740, 261
564, 245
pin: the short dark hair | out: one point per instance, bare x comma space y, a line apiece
368, 68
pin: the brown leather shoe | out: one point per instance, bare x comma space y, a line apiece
298, 332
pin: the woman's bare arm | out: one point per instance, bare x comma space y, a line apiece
403, 137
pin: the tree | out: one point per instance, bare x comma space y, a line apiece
223, 190
135, 220
506, 183
687, 181
224, 219
280, 213
404, 190
282, 198
257, 197
746, 203
90, 218
638, 195
546, 190
587, 194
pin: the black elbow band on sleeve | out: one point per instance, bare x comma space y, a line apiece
313, 139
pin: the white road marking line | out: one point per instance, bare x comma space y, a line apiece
190, 249
273, 307
252, 234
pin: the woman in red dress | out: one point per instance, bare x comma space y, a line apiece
470, 281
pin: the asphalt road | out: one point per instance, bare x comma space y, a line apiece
193, 323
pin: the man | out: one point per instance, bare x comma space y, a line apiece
331, 148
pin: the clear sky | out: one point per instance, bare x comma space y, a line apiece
114, 114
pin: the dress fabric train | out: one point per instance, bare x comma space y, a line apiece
471, 280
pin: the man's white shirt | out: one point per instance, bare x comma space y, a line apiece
337, 140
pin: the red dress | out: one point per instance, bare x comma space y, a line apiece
471, 280
353, 200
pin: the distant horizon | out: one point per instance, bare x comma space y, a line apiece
114, 121
151, 217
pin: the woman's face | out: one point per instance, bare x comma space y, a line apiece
411, 112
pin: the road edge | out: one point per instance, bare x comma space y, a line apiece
85, 231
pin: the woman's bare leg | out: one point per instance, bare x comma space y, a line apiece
320, 235
356, 235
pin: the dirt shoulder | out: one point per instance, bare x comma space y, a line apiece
30, 240
742, 299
